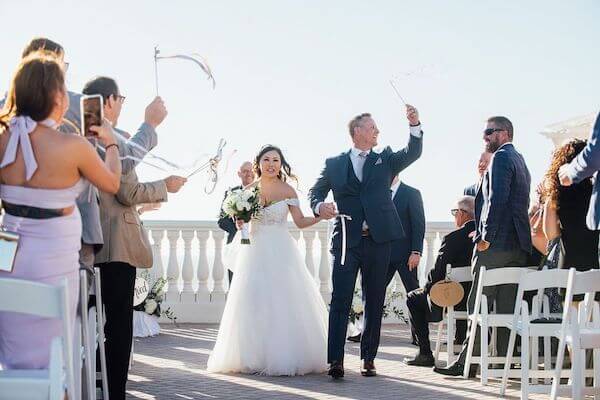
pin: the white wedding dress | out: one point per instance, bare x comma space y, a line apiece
275, 320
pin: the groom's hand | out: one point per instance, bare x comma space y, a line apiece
413, 115
327, 210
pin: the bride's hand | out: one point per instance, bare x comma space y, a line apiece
239, 223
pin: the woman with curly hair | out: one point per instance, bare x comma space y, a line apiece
565, 210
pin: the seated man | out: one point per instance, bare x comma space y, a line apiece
456, 249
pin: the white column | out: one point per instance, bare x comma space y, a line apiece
429, 262
173, 267
309, 240
157, 265
218, 269
324, 268
203, 294
187, 268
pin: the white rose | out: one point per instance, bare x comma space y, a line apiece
358, 308
247, 195
244, 206
150, 306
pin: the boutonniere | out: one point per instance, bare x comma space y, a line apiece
379, 161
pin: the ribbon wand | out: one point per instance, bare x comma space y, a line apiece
397, 92
156, 53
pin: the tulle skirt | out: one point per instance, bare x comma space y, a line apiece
275, 320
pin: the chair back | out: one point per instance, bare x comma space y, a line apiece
459, 274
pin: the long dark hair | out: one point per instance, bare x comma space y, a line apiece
286, 170
36, 81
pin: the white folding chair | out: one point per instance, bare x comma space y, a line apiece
88, 366
527, 324
482, 318
97, 320
580, 331
460, 275
48, 301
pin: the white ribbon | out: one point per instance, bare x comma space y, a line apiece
20, 127
343, 218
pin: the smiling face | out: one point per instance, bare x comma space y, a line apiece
365, 134
270, 164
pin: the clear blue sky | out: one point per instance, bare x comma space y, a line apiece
293, 74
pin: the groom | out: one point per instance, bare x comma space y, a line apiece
360, 181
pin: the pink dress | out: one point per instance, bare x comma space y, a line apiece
48, 252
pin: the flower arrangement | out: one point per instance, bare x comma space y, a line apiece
242, 204
152, 304
389, 307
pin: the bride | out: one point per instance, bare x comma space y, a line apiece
275, 320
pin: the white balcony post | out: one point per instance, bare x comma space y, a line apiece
430, 242
203, 294
173, 267
187, 268
218, 269
309, 240
324, 269
157, 265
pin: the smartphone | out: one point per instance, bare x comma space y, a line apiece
92, 113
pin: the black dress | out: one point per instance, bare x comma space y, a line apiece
580, 243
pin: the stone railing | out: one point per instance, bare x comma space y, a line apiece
189, 255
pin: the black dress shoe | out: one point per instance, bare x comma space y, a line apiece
456, 369
368, 368
355, 339
422, 360
336, 370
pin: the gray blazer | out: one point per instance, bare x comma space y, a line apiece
87, 202
125, 239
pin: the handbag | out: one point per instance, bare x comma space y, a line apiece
9, 244
446, 293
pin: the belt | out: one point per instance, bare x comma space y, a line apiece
18, 210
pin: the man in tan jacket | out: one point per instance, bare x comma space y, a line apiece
126, 246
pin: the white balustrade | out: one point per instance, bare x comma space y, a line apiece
199, 295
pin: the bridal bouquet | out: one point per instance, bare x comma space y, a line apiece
152, 304
242, 204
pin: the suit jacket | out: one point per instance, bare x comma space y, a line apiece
226, 223
585, 165
372, 202
456, 249
125, 239
409, 205
87, 202
502, 202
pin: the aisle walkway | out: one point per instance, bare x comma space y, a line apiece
172, 366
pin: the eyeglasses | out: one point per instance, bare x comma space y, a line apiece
455, 211
120, 98
491, 131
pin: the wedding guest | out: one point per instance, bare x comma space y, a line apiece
482, 165
456, 249
246, 175
126, 246
130, 152
584, 166
503, 234
565, 209
41, 174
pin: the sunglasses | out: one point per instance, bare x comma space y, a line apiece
491, 131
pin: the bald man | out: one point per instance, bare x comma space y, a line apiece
482, 165
246, 175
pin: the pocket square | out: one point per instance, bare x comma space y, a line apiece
378, 161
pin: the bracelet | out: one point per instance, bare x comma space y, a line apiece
111, 145
416, 252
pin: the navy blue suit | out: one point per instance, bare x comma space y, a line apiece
367, 200
585, 165
409, 205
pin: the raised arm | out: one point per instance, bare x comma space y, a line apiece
133, 192
587, 162
403, 158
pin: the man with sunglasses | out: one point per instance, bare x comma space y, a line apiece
456, 249
502, 238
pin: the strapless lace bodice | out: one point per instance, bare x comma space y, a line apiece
276, 213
